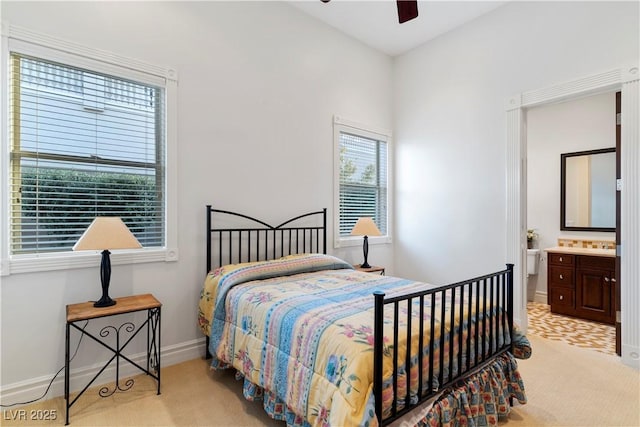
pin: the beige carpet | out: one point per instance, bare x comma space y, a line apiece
565, 385
570, 386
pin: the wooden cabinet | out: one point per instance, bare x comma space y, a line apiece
595, 288
582, 285
561, 283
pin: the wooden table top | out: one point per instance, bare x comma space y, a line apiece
86, 310
372, 269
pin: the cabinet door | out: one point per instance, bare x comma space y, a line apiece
593, 295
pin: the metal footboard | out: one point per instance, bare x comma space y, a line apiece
473, 319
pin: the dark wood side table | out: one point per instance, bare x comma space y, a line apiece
86, 311
372, 269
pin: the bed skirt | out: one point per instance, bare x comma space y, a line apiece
476, 401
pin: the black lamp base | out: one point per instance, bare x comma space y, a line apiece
105, 277
104, 302
365, 252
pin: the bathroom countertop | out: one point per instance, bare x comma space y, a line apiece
582, 251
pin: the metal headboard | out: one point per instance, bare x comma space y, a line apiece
259, 241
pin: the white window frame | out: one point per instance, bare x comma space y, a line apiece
24, 41
354, 128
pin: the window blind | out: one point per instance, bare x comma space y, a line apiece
83, 144
363, 181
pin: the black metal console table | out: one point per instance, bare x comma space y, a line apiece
86, 311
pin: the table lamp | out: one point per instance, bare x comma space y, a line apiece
365, 227
103, 234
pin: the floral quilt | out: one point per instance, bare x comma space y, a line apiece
300, 330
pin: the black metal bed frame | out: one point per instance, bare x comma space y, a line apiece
268, 241
491, 321
486, 308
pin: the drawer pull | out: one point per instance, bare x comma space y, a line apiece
561, 297
561, 277
606, 279
613, 279
560, 259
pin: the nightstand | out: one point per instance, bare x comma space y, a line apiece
122, 335
372, 269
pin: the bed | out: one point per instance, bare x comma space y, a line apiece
321, 343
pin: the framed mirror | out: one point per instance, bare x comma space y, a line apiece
588, 190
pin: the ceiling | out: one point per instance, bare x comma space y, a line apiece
375, 22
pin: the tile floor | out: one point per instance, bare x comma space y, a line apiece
581, 333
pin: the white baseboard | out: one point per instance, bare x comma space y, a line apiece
30, 389
540, 297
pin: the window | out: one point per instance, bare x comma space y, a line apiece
83, 144
362, 165
87, 138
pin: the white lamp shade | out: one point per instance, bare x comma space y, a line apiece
107, 233
365, 227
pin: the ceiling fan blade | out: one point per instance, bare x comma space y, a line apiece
407, 10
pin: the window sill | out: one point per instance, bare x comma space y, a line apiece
70, 260
345, 242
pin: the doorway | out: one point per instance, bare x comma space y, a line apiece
626, 79
581, 125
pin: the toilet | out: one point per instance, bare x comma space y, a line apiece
533, 259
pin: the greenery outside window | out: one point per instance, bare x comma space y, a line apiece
363, 178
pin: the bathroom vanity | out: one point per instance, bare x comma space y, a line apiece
581, 282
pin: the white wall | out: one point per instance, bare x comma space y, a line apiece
578, 125
450, 122
259, 84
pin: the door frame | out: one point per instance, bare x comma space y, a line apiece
616, 274
626, 80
